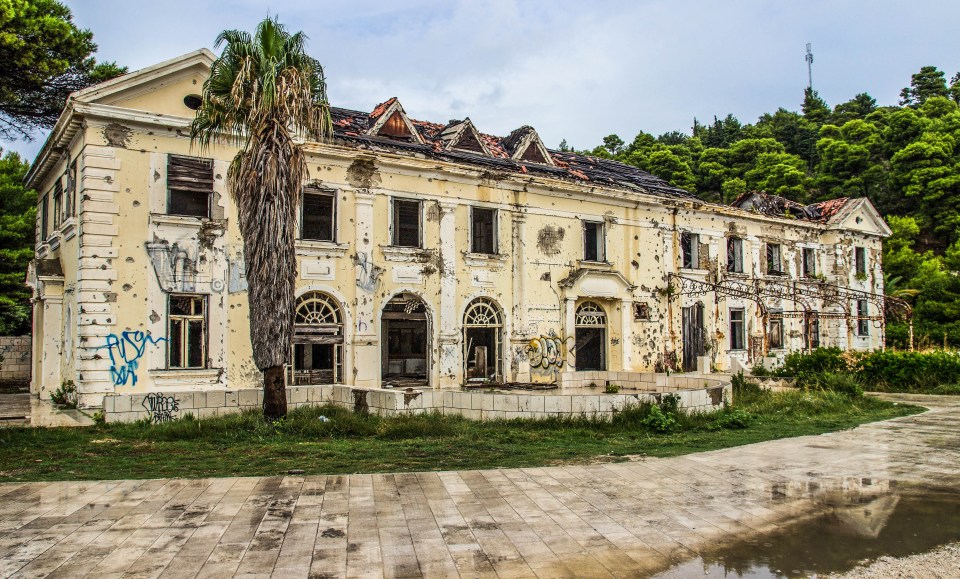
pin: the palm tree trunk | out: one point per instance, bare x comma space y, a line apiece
274, 393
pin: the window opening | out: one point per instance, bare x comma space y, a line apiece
860, 258
737, 337
318, 215
641, 311
735, 255
863, 324
482, 338
406, 340
591, 337
189, 185
809, 262
187, 332
71, 193
483, 230
774, 259
690, 250
317, 340
57, 204
406, 223
775, 331
593, 242
395, 127
44, 218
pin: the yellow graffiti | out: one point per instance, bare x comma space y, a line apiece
547, 351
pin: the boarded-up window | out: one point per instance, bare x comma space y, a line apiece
187, 336
406, 223
735, 255
774, 259
737, 337
483, 230
593, 242
534, 155
189, 186
690, 250
318, 215
395, 127
811, 330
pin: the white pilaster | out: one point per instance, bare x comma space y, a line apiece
366, 351
451, 359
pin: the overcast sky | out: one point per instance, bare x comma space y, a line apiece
574, 70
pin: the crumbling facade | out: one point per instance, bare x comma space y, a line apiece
429, 254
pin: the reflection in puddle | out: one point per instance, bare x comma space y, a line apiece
892, 524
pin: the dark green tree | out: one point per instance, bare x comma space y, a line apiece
43, 58
18, 210
929, 82
856, 108
814, 108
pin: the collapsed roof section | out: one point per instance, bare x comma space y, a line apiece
388, 127
776, 206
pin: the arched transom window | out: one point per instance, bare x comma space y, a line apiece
590, 314
317, 308
482, 313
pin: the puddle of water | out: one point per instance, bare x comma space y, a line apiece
895, 525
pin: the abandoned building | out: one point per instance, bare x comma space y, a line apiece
432, 255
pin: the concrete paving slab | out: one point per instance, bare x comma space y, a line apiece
605, 520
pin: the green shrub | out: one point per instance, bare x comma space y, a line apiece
65, 395
743, 387
612, 388
760, 371
947, 389
659, 421
806, 366
909, 371
733, 419
842, 382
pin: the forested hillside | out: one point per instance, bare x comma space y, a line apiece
905, 158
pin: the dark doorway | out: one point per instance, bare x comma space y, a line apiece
314, 363
317, 340
482, 331
694, 337
405, 339
591, 337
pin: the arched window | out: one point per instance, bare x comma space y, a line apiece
482, 340
317, 340
591, 337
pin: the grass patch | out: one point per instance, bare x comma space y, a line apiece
247, 445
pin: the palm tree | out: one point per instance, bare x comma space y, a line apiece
264, 93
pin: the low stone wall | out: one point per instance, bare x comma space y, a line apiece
15, 358
651, 381
172, 405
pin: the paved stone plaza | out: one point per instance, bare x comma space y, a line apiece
618, 519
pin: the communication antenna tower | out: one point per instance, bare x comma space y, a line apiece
809, 59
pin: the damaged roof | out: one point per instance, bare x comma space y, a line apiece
354, 127
776, 206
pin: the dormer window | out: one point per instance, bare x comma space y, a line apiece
463, 136
395, 127
524, 144
388, 119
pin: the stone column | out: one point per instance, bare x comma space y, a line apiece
366, 350
520, 369
570, 330
626, 335
450, 362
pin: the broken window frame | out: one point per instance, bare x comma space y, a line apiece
808, 262
483, 313
689, 250
318, 320
179, 332
641, 311
863, 323
399, 225
775, 331
738, 323
487, 242
594, 252
306, 232
774, 253
860, 260
188, 188
734, 255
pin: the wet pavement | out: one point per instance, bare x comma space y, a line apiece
24, 409
705, 511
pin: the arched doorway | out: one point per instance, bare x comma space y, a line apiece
591, 337
482, 339
317, 340
405, 335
